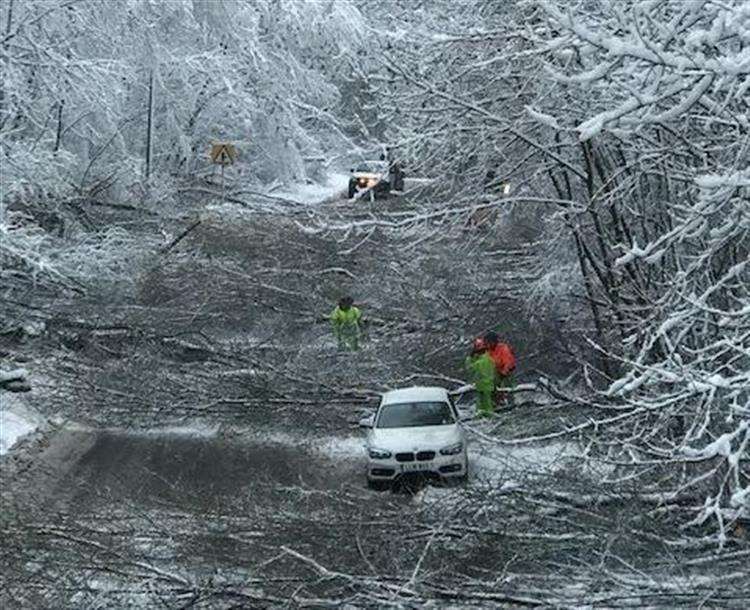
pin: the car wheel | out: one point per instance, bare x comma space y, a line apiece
351, 190
455, 481
462, 480
378, 485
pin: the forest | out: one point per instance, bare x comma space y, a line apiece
578, 178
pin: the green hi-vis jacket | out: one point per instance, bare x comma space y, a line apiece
482, 371
345, 321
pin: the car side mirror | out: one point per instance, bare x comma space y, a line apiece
351, 169
464, 413
367, 421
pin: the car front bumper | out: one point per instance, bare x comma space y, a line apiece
442, 466
380, 188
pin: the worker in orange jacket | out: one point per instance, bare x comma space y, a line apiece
505, 365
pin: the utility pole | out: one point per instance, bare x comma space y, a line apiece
150, 125
58, 136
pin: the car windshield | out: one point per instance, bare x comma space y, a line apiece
412, 414
374, 167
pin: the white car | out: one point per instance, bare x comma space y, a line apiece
415, 431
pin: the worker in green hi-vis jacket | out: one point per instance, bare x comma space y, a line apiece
345, 319
482, 372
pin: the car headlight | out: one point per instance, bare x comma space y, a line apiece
378, 454
452, 449
372, 182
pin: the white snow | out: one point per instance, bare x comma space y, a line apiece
19, 374
16, 420
741, 499
649, 254
301, 192
487, 459
735, 179
193, 430
337, 447
719, 381
722, 446
204, 431
348, 447
629, 383
491, 461
328, 446
541, 117
35, 328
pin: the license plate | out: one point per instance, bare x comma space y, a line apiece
414, 467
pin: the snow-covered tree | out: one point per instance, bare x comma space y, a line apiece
624, 127
662, 120
120, 102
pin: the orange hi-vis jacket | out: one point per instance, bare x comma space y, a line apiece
502, 356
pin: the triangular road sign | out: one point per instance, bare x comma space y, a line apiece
223, 153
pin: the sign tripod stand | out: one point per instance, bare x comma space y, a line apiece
223, 153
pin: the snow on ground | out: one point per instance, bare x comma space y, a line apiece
335, 185
19, 374
335, 447
193, 430
491, 460
16, 420
349, 447
301, 192
343, 448
487, 460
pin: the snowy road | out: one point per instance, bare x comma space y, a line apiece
202, 503
202, 473
89, 470
206, 425
86, 471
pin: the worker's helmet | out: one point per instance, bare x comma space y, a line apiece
491, 338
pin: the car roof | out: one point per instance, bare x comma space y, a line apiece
415, 394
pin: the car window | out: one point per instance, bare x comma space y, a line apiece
412, 414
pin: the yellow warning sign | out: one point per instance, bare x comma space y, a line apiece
223, 153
